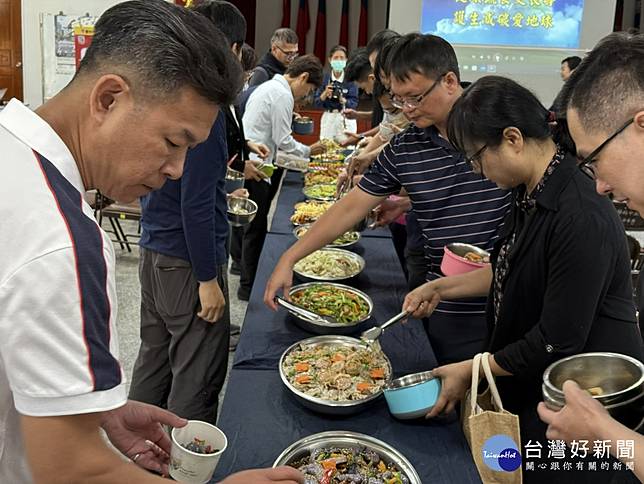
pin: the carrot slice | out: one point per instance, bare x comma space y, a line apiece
328, 464
303, 379
338, 357
302, 367
363, 387
377, 373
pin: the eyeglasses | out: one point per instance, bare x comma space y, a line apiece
289, 55
414, 101
475, 158
587, 164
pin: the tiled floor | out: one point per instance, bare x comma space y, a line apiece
128, 289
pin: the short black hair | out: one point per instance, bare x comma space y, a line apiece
379, 89
383, 59
358, 67
378, 40
573, 61
608, 85
492, 104
226, 18
306, 63
424, 54
248, 57
159, 48
285, 36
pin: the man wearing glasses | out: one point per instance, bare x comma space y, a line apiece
284, 50
452, 203
605, 111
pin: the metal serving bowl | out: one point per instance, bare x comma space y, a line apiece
314, 327
237, 203
300, 229
361, 262
321, 405
303, 125
620, 377
352, 440
234, 180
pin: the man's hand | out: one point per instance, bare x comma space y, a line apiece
281, 279
259, 149
422, 301
135, 430
317, 149
456, 378
359, 163
239, 193
578, 419
350, 113
251, 172
281, 475
389, 210
350, 139
212, 301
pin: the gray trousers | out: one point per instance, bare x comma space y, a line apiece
183, 359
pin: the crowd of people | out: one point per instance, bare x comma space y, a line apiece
444, 161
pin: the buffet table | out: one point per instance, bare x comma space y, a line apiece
261, 417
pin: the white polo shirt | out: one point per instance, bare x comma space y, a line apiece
58, 341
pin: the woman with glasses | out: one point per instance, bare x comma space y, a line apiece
335, 95
560, 282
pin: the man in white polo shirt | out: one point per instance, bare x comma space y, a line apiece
148, 88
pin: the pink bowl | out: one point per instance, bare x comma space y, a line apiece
454, 261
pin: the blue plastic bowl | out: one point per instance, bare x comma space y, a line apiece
412, 396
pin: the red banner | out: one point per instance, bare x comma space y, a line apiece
303, 24
320, 32
286, 13
363, 29
344, 24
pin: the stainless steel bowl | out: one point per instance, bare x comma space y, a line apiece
620, 377
361, 263
245, 204
303, 125
461, 249
352, 440
300, 229
319, 404
344, 329
307, 193
234, 180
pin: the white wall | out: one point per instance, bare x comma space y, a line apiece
31, 48
269, 18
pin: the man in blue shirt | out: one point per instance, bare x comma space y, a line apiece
185, 318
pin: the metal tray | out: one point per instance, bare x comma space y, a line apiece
352, 440
299, 228
301, 203
343, 329
321, 405
361, 263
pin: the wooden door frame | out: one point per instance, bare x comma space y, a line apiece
14, 65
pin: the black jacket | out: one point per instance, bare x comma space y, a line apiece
268, 66
236, 139
568, 288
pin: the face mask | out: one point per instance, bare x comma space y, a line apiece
338, 65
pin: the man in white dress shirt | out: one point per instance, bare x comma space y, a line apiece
267, 119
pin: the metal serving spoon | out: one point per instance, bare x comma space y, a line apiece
310, 315
374, 333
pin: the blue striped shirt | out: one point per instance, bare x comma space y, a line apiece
452, 203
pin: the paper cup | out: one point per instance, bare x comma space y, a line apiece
191, 467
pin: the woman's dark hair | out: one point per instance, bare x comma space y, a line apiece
248, 57
306, 63
358, 67
494, 103
572, 61
226, 18
383, 59
378, 40
159, 48
338, 48
379, 89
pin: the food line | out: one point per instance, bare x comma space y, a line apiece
262, 417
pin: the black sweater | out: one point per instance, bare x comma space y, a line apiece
568, 288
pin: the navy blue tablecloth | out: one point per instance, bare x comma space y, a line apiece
266, 334
261, 418
290, 194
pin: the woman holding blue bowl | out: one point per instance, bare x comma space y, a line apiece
560, 281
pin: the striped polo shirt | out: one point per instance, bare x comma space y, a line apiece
452, 203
